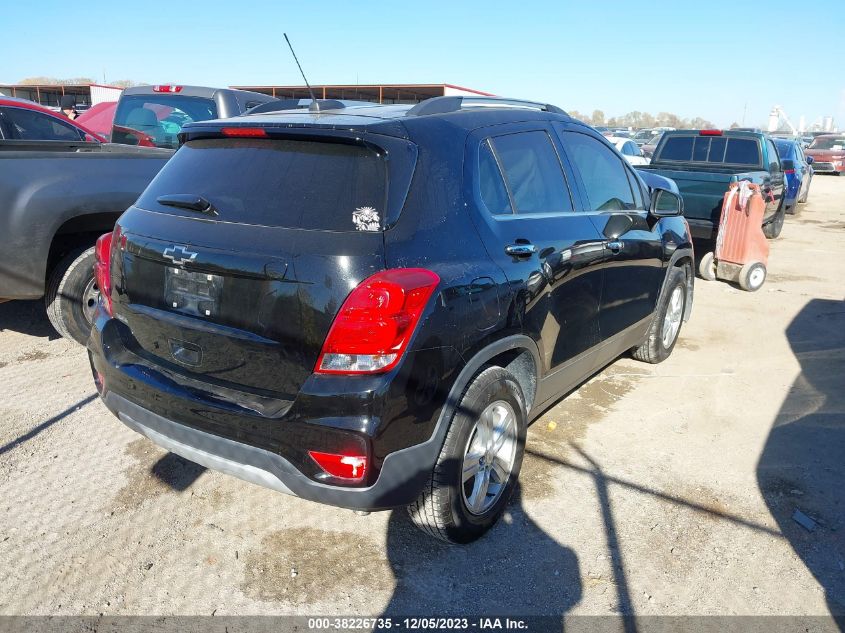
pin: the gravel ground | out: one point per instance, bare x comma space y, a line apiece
664, 489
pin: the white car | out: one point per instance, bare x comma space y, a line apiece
629, 150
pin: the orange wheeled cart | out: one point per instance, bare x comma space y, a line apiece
742, 250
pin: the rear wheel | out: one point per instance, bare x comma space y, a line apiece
773, 228
707, 267
752, 276
72, 295
664, 330
479, 463
803, 198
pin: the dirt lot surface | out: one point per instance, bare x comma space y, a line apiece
665, 489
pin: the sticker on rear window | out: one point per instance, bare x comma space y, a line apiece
366, 219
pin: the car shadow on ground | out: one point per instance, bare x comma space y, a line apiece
26, 317
176, 472
801, 472
515, 569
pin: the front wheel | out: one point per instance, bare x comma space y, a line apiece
664, 330
72, 295
479, 463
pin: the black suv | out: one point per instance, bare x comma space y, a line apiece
365, 306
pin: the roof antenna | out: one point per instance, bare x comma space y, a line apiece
314, 107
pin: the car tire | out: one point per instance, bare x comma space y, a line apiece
707, 267
446, 509
803, 199
752, 276
72, 294
668, 318
774, 228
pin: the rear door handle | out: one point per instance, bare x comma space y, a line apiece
615, 245
520, 251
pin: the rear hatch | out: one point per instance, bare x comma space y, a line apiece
243, 294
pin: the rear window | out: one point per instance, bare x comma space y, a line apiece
293, 184
711, 149
156, 120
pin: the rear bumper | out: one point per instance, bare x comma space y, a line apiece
217, 429
402, 476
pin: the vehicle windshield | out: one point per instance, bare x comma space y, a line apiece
155, 120
830, 142
643, 135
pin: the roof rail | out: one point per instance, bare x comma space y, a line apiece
441, 105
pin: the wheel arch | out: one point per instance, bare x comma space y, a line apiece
78, 231
682, 258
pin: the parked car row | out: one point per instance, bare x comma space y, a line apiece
282, 302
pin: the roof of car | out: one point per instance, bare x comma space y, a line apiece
396, 119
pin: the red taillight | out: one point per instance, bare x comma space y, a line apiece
102, 266
348, 467
789, 171
375, 323
710, 132
244, 132
167, 88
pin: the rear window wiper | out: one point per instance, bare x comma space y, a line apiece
189, 201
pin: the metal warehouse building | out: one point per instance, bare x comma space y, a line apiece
379, 93
51, 94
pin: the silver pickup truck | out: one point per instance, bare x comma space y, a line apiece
56, 198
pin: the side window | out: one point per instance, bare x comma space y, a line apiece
28, 125
604, 176
493, 190
774, 160
532, 172
635, 151
627, 150
635, 187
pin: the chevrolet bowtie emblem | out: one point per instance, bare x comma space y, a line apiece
179, 254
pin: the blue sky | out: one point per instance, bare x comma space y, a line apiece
705, 58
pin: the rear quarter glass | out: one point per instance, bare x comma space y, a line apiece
282, 183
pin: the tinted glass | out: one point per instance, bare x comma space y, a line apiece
677, 148
158, 119
635, 188
493, 191
717, 149
29, 125
532, 170
294, 184
700, 148
602, 172
742, 151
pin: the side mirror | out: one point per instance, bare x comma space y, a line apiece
810, 160
665, 204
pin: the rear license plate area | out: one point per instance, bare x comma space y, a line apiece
193, 293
